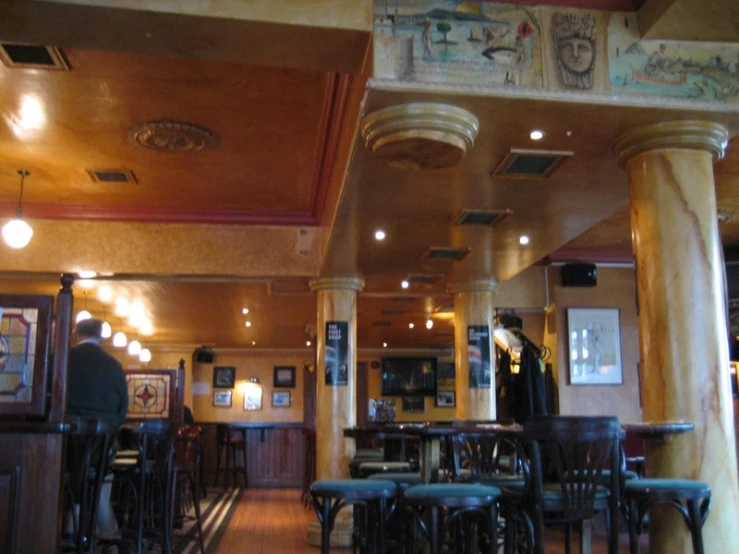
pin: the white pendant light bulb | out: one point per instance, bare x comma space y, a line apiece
107, 330
17, 233
134, 348
145, 355
84, 314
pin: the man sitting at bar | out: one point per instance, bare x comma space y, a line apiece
97, 388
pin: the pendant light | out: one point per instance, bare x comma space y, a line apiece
107, 330
84, 314
120, 339
16, 232
134, 347
145, 355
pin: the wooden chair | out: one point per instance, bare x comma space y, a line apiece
229, 443
568, 457
186, 478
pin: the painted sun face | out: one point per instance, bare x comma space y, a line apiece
576, 54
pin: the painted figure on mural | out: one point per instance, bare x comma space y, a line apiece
575, 48
427, 40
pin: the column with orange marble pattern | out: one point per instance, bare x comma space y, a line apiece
473, 305
682, 320
335, 407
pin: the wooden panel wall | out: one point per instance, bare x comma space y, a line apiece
275, 456
8, 509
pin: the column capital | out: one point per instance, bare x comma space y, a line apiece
688, 135
342, 283
473, 285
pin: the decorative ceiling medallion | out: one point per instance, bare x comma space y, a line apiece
420, 135
724, 216
172, 136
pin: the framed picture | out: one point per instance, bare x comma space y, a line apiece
224, 377
445, 399
253, 398
414, 404
222, 398
594, 339
284, 377
281, 399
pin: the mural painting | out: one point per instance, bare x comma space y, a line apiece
458, 41
701, 71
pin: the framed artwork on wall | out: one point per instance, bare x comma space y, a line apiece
222, 398
224, 377
253, 398
284, 377
594, 341
445, 399
281, 399
414, 404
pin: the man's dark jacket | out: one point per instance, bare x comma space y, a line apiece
97, 384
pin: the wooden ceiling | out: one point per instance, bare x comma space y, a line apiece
288, 192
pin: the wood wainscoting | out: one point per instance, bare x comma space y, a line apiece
275, 454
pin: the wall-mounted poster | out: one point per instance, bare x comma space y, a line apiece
337, 353
478, 347
595, 346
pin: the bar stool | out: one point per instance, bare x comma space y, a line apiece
232, 441
395, 516
186, 474
369, 498
88, 453
370, 468
440, 508
691, 498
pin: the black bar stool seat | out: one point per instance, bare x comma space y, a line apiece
370, 468
689, 497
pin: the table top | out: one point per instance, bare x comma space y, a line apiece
658, 430
33, 427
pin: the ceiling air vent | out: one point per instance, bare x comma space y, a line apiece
445, 253
404, 298
423, 279
529, 164
393, 312
112, 176
381, 323
481, 217
32, 56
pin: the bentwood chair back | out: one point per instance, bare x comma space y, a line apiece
568, 458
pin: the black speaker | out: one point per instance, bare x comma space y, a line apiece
204, 356
579, 275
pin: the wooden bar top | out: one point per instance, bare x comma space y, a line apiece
256, 424
658, 430
37, 428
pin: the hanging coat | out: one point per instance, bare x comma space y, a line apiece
528, 396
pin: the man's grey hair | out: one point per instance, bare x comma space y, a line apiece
89, 329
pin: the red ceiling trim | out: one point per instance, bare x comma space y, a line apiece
606, 5
154, 214
331, 122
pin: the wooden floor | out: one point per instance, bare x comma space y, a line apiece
274, 521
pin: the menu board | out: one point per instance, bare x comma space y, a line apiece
478, 348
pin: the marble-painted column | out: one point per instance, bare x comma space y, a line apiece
682, 320
473, 305
336, 404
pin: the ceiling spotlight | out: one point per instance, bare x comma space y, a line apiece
244, 311
524, 239
429, 324
86, 274
411, 326
121, 307
105, 294
405, 284
384, 345
379, 234
307, 343
536, 134
146, 328
568, 133
253, 343
248, 323
16, 232
145, 355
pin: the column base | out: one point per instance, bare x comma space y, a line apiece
341, 536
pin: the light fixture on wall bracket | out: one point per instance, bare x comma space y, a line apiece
17, 232
120, 339
84, 314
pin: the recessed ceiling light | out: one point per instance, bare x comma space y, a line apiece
524, 239
248, 323
568, 133
411, 326
105, 294
429, 324
253, 342
405, 284
379, 234
86, 274
384, 345
307, 343
244, 311
536, 134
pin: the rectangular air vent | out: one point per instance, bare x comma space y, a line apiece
32, 56
393, 312
382, 323
112, 176
529, 164
404, 298
481, 217
423, 279
445, 253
